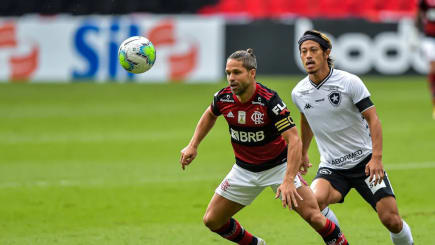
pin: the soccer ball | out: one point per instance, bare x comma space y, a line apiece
137, 54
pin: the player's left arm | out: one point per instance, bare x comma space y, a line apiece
285, 126
287, 189
361, 97
374, 168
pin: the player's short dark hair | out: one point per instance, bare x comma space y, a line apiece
247, 57
319, 38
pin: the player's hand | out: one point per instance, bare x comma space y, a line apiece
187, 155
305, 165
376, 171
289, 194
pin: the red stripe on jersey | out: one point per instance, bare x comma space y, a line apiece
257, 155
226, 90
264, 92
263, 89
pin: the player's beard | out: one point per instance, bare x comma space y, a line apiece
239, 89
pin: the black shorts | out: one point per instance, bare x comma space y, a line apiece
344, 180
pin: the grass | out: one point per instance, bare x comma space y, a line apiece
94, 163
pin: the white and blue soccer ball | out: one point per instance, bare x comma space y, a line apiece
137, 54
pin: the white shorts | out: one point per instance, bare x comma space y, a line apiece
428, 46
243, 186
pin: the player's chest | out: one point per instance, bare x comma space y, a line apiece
250, 115
325, 101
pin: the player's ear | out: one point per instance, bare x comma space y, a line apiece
252, 72
327, 52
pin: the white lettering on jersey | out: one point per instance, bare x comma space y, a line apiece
257, 102
227, 98
247, 136
278, 108
354, 156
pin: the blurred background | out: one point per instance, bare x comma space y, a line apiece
60, 41
89, 153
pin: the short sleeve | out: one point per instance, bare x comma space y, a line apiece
214, 105
360, 94
295, 102
279, 114
358, 90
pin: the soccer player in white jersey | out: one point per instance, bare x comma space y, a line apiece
336, 108
267, 151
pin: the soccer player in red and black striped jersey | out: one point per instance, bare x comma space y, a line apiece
267, 149
426, 19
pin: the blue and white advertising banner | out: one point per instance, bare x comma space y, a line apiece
69, 48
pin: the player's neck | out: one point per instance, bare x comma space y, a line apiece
247, 95
320, 75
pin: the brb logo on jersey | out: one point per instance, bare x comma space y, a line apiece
247, 137
335, 98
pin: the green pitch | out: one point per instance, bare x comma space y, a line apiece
98, 164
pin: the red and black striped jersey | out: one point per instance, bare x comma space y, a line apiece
428, 9
255, 127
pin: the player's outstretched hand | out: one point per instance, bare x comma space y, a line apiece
289, 195
305, 165
376, 171
187, 155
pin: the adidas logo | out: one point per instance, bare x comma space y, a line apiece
230, 114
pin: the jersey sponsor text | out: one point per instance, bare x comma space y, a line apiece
350, 156
249, 137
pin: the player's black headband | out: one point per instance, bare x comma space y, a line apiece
317, 37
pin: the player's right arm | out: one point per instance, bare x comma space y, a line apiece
205, 124
306, 137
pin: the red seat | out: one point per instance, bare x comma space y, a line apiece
369, 9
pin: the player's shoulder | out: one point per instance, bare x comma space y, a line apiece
344, 76
265, 92
223, 92
302, 85
338, 72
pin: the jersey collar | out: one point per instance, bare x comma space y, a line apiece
324, 80
252, 97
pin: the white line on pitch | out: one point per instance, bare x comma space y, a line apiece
410, 165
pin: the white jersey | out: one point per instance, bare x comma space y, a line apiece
333, 110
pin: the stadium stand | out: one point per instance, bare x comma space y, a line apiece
85, 7
368, 9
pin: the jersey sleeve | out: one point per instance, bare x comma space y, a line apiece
295, 102
279, 114
214, 105
360, 94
